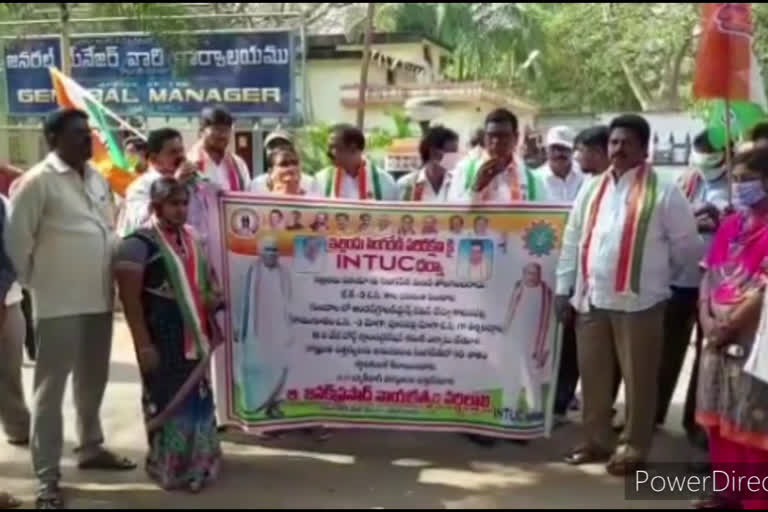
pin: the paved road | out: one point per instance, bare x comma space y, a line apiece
360, 469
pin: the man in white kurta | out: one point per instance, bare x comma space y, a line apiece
497, 174
264, 330
216, 161
626, 230
352, 176
439, 154
560, 176
165, 149
529, 325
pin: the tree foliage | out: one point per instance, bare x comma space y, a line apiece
489, 41
575, 57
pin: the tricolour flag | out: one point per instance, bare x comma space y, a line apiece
726, 69
108, 156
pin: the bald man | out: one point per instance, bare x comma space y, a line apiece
264, 330
529, 325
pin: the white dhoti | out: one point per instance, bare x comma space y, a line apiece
265, 335
529, 347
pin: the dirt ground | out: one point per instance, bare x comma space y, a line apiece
354, 469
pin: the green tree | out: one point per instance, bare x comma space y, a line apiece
490, 41
617, 56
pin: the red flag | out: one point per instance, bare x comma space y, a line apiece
726, 66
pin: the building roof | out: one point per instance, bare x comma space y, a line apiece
449, 92
327, 45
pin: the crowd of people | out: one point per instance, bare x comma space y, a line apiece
645, 262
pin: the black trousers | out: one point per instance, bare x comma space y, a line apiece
679, 322
568, 373
30, 342
696, 434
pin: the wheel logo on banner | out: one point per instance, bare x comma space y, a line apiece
539, 239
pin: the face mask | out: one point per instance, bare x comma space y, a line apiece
748, 193
449, 161
704, 161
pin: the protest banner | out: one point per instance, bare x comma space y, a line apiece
425, 317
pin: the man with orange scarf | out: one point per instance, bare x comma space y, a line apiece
626, 229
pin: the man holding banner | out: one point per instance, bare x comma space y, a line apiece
625, 229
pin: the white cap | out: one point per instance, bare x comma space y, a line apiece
278, 135
560, 136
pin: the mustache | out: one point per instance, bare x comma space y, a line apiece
619, 154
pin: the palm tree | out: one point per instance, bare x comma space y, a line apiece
490, 40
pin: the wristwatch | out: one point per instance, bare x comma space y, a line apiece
734, 350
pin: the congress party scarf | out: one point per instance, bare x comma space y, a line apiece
517, 191
640, 206
187, 273
690, 183
368, 183
233, 173
414, 190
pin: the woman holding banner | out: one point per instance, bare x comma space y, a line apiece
732, 405
169, 297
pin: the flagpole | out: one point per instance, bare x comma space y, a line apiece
728, 151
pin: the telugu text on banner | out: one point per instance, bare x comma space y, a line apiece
348, 314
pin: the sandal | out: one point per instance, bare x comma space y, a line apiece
624, 466
49, 498
8, 501
586, 455
108, 461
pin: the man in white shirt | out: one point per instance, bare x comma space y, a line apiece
352, 176
439, 155
165, 150
60, 239
626, 229
561, 176
497, 174
212, 154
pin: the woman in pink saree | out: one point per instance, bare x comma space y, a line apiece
732, 405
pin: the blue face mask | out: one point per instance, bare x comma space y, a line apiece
748, 193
